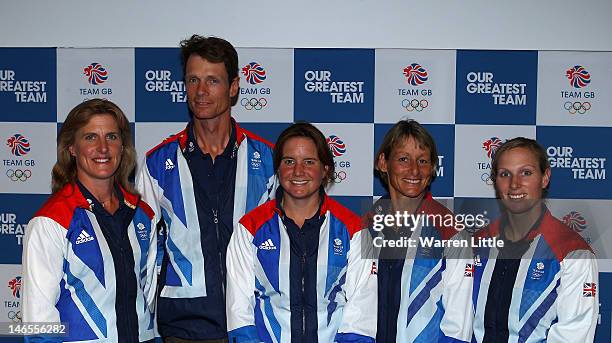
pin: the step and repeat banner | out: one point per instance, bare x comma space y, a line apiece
470, 100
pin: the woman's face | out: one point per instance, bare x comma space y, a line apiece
301, 172
409, 169
97, 149
519, 183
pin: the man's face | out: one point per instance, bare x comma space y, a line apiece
209, 91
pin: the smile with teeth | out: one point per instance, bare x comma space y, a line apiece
413, 181
299, 182
517, 196
101, 160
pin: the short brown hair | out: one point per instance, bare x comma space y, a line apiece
402, 130
520, 142
307, 130
212, 49
65, 169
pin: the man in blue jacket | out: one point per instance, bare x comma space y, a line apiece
201, 181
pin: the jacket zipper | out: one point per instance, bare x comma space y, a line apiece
303, 262
221, 261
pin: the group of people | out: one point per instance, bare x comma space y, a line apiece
226, 237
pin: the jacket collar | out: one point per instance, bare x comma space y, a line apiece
383, 205
75, 198
496, 226
183, 136
323, 202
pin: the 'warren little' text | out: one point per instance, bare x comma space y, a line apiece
431, 242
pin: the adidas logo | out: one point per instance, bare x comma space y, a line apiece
169, 164
84, 237
267, 245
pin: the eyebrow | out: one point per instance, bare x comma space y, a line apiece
95, 133
293, 158
523, 166
398, 151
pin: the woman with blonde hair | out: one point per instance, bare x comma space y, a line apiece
542, 284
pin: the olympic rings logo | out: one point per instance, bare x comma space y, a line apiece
577, 107
19, 175
486, 178
339, 176
253, 103
415, 104
15, 316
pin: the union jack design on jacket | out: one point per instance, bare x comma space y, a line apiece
547, 301
68, 270
165, 182
434, 301
258, 293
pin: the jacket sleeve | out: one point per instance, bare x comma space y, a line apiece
150, 286
272, 185
273, 181
456, 323
240, 303
150, 192
42, 264
148, 188
577, 305
360, 312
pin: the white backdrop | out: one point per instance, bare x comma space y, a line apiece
431, 24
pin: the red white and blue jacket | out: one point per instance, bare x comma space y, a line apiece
68, 270
166, 183
434, 291
259, 291
555, 296
191, 302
